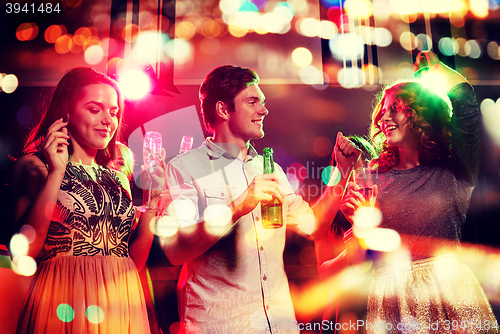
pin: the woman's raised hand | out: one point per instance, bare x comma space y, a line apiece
55, 146
430, 60
354, 199
346, 153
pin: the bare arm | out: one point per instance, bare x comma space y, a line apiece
325, 209
143, 236
330, 254
37, 187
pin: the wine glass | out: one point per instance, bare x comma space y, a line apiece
151, 151
363, 178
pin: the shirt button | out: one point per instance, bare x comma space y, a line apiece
257, 218
264, 278
261, 248
267, 307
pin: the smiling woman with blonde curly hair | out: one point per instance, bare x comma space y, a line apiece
427, 167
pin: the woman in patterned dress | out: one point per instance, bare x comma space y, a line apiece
82, 212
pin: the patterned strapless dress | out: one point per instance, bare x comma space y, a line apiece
85, 281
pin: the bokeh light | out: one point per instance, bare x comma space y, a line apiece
24, 115
53, 32
382, 239
166, 226
180, 51
285, 10
443, 6
404, 7
424, 42
408, 40
134, 84
490, 111
130, 33
212, 28
361, 9
322, 85
302, 57
29, 232
185, 30
493, 50
24, 265
298, 170
94, 314
9, 83
19, 245
448, 46
90, 42
479, 8
382, 37
217, 219
236, 31
84, 33
307, 27
347, 46
72, 3
271, 22
182, 210
326, 29
330, 176
310, 75
367, 217
27, 31
65, 313
473, 49
248, 6
94, 54
322, 146
461, 47
63, 44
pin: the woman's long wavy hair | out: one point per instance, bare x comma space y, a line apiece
62, 103
428, 117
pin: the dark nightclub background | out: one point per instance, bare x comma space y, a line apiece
321, 64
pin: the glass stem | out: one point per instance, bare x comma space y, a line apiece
149, 195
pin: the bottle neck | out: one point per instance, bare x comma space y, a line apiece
268, 164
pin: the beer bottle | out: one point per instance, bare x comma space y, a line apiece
271, 211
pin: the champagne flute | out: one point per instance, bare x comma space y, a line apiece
151, 151
186, 144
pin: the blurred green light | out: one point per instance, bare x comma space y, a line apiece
447, 46
330, 176
65, 313
248, 7
288, 5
